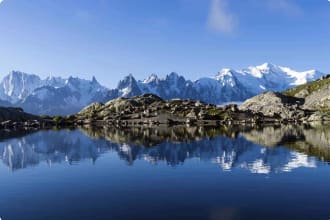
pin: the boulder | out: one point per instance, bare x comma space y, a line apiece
274, 104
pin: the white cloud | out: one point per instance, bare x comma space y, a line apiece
1, 1
287, 6
220, 19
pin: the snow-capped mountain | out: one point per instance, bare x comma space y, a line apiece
58, 96
53, 95
227, 86
271, 77
16, 86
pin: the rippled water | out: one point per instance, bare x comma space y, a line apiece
166, 173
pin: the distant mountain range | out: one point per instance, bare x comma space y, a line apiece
58, 96
52, 96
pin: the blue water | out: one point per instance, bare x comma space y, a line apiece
71, 174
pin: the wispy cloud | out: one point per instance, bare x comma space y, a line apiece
289, 7
1, 1
220, 19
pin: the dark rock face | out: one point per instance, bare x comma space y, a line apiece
325, 77
15, 114
16, 118
12, 118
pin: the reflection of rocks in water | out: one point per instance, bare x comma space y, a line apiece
313, 140
274, 135
223, 146
151, 136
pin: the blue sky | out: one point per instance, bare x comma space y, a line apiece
112, 38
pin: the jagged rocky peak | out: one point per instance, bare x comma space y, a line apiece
54, 81
175, 78
18, 74
153, 78
72, 80
127, 87
78, 83
94, 81
127, 81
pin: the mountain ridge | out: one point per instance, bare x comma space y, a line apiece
36, 95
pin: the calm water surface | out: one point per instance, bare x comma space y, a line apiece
166, 173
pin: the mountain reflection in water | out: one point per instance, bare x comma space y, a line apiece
259, 150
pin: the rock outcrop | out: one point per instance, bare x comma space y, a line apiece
316, 94
151, 109
308, 102
274, 104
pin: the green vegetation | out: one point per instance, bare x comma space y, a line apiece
309, 87
324, 110
58, 118
217, 113
45, 117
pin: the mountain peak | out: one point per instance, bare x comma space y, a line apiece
71, 79
16, 73
226, 77
94, 81
225, 72
67, 95
128, 81
152, 78
129, 77
266, 66
172, 75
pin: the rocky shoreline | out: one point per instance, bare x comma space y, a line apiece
150, 110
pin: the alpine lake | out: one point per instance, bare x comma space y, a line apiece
216, 173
